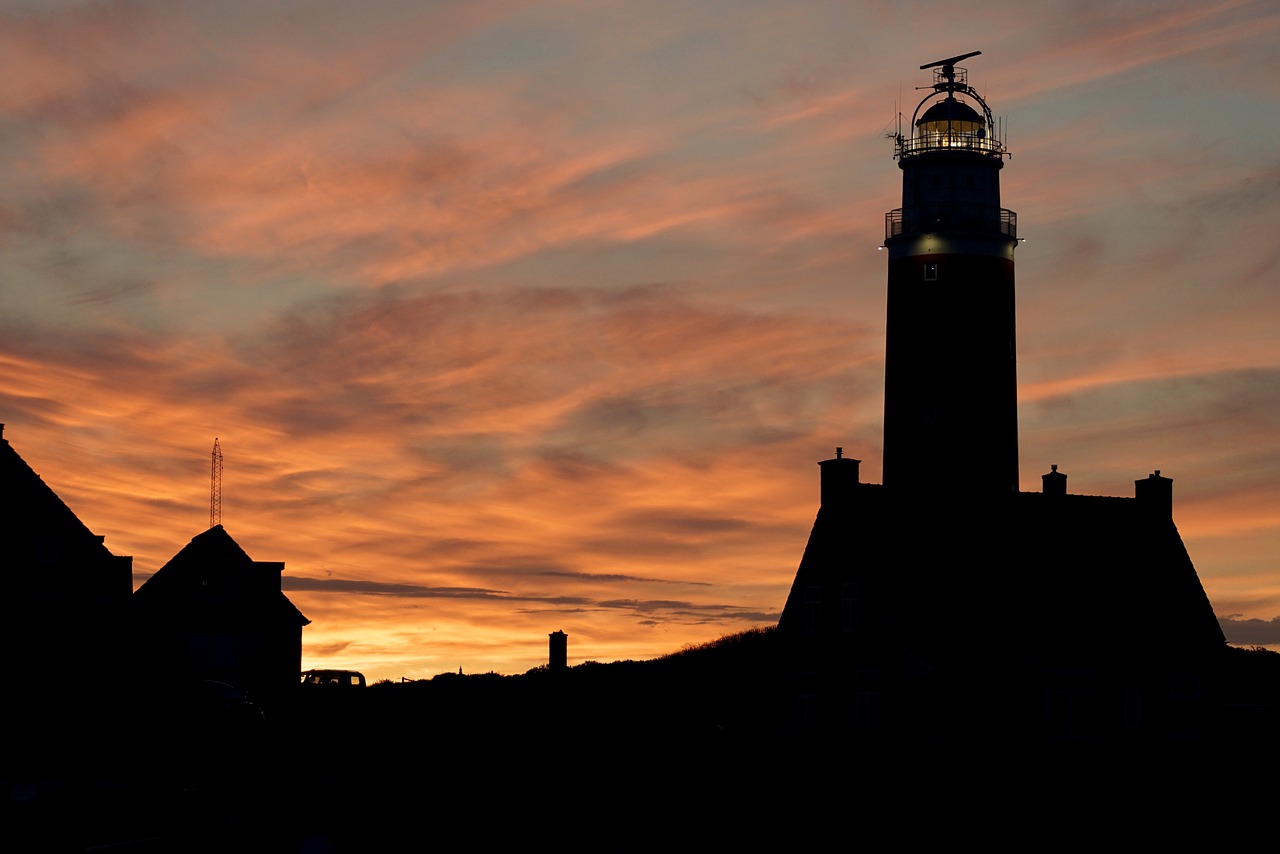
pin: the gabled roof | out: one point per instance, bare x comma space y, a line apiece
38, 531
212, 576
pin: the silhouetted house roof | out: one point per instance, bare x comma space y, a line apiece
213, 578
50, 556
226, 613
64, 592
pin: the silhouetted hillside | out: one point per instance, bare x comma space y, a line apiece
727, 685
697, 749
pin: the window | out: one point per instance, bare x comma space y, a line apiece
849, 607
1184, 705
931, 271
1070, 706
866, 699
812, 610
217, 583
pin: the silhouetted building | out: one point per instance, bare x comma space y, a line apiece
215, 613
558, 654
946, 604
64, 631
66, 596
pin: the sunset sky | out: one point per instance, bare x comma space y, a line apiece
516, 317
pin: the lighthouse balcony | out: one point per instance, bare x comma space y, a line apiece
948, 141
963, 219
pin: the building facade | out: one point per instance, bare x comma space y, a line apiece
212, 612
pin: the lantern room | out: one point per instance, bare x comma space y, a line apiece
950, 123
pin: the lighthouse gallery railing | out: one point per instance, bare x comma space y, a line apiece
957, 218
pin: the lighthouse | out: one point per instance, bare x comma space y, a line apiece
944, 604
950, 398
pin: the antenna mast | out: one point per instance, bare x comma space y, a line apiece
215, 486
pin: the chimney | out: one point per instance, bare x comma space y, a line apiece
1155, 494
1054, 483
839, 478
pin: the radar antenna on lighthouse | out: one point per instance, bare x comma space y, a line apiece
948, 65
215, 486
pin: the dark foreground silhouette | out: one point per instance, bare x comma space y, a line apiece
695, 751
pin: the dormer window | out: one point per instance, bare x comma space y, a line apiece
215, 583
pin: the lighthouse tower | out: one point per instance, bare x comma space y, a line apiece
950, 399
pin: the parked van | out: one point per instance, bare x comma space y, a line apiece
332, 679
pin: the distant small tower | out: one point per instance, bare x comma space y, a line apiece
559, 653
950, 386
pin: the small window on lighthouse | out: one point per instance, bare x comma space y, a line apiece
931, 271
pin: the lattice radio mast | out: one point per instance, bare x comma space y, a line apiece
215, 486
